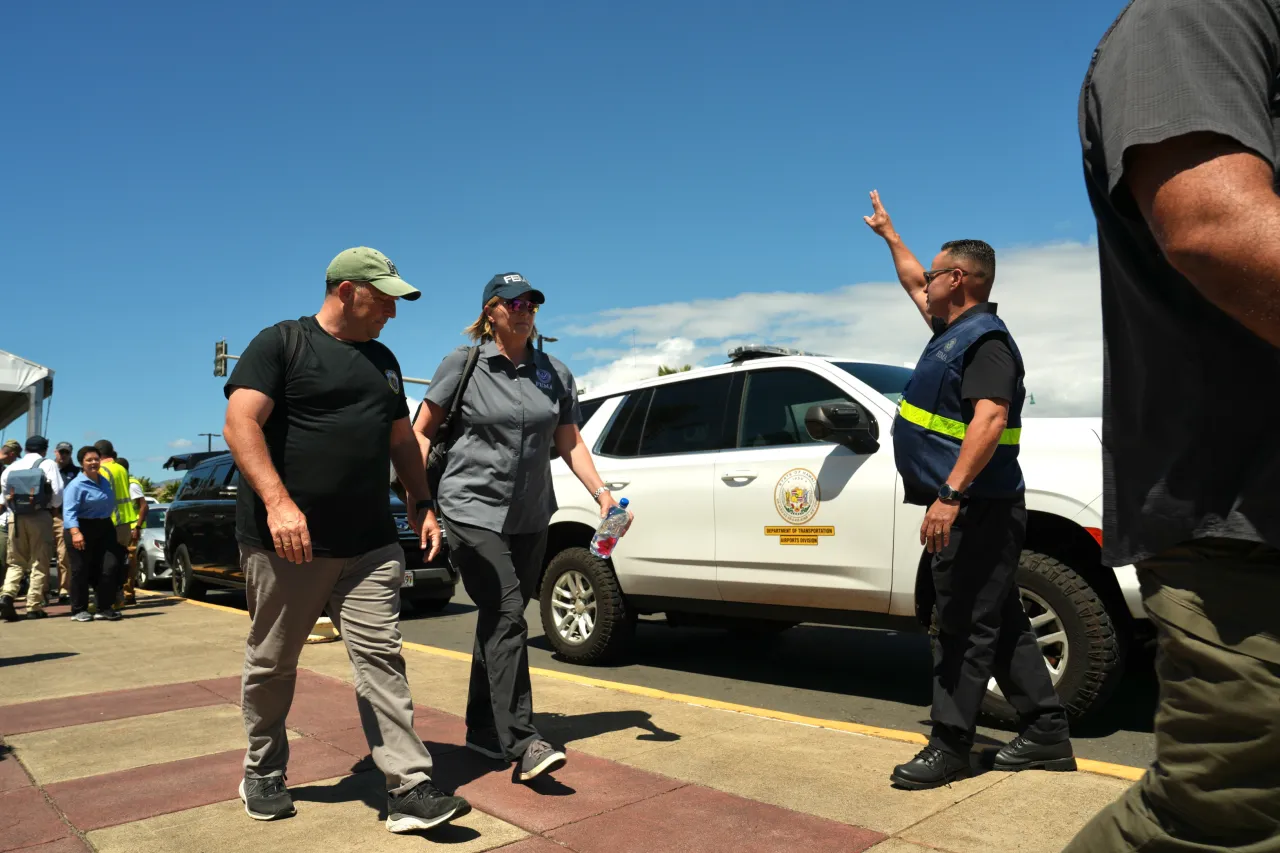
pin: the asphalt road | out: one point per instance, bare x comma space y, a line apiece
866, 676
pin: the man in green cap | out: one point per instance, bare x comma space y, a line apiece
315, 529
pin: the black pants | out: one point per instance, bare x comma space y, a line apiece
500, 572
983, 630
97, 566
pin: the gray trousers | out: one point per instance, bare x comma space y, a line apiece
363, 596
500, 572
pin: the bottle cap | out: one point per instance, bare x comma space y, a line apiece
623, 503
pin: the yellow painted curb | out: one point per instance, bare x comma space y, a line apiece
1088, 765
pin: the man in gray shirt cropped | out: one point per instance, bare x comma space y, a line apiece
1181, 142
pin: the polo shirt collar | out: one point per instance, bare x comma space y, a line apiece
489, 350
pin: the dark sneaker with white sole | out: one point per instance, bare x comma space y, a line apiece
539, 757
423, 807
1022, 753
266, 798
486, 743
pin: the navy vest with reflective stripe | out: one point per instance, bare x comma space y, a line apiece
930, 425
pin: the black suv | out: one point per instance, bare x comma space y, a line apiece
200, 537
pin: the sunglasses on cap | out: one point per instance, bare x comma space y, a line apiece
520, 306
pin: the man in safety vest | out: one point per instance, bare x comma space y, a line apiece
955, 441
125, 515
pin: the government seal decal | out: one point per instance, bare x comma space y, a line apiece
796, 496
393, 380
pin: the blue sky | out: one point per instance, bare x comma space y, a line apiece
178, 174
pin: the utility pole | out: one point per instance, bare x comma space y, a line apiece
542, 338
211, 436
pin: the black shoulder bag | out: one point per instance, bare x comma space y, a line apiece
438, 456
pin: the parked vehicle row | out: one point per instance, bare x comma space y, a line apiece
199, 541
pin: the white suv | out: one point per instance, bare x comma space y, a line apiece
747, 518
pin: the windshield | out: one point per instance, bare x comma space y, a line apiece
155, 518
884, 378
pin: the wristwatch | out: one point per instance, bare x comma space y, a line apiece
598, 492
946, 493
429, 503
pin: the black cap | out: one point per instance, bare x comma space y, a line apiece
37, 444
509, 285
65, 445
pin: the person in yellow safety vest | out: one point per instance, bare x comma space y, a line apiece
139, 499
124, 516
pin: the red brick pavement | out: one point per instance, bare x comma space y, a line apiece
590, 805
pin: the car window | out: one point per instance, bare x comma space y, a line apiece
155, 518
589, 408
776, 403
883, 378
623, 436
687, 417
194, 482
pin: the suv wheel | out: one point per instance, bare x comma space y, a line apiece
583, 612
1076, 635
184, 580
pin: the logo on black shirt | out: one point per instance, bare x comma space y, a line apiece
393, 380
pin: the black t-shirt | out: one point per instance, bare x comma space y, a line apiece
1189, 395
329, 435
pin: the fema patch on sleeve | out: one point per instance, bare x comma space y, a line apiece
543, 379
393, 380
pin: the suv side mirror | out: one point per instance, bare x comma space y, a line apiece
844, 423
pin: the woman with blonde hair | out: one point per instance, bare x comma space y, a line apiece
517, 408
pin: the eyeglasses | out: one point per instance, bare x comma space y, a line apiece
521, 306
930, 275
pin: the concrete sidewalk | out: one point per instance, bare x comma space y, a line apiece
126, 737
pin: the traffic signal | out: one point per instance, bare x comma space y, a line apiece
220, 358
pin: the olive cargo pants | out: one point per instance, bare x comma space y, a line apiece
1215, 783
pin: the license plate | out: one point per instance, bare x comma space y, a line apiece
408, 579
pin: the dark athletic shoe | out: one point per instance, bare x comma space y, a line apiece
1024, 754
931, 768
540, 757
37, 614
7, 611
266, 798
423, 807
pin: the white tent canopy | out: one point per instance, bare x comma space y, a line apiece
24, 386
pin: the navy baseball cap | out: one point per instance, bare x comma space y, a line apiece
509, 285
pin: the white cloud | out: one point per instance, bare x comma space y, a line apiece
180, 443
1049, 296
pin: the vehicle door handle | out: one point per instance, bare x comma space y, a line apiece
616, 485
732, 476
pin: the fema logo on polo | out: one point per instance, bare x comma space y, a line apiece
393, 380
543, 379
796, 496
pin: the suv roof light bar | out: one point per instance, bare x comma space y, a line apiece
751, 351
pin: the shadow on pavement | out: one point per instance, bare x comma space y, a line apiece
564, 728
36, 658
411, 612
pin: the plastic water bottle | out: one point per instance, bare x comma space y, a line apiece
612, 526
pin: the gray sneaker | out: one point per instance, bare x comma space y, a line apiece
82, 616
266, 798
540, 757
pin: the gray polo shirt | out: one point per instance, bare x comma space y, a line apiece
499, 471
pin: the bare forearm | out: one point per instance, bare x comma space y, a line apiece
980, 442
578, 457
248, 447
410, 464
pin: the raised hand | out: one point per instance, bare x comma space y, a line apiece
879, 220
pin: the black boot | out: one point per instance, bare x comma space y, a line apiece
7, 612
1024, 754
932, 768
